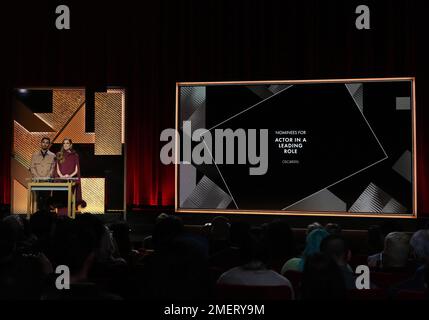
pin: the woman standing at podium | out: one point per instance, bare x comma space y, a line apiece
67, 166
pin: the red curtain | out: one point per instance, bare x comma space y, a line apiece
5, 147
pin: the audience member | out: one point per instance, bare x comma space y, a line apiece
148, 241
219, 235
322, 279
395, 254
333, 228
313, 240
254, 272
178, 267
279, 243
22, 275
336, 247
233, 255
80, 240
313, 226
420, 245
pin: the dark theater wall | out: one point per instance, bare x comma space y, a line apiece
148, 47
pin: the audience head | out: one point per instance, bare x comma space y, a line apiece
165, 231
121, 234
254, 249
161, 216
322, 279
420, 244
92, 222
333, 228
396, 250
239, 233
16, 226
313, 240
336, 247
220, 229
313, 226
42, 223
77, 247
279, 240
106, 251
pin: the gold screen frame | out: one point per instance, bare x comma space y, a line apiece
300, 213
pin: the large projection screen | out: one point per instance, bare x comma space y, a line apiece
341, 147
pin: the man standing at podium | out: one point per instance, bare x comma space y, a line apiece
42, 166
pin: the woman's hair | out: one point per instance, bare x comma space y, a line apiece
312, 246
60, 155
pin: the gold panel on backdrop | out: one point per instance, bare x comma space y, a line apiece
122, 92
19, 172
20, 197
75, 130
93, 192
25, 117
65, 102
108, 123
25, 143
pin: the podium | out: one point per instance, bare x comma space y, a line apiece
50, 184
